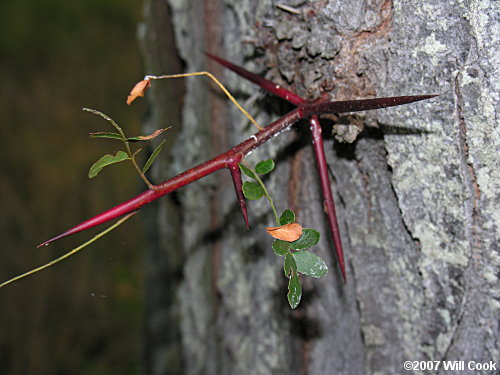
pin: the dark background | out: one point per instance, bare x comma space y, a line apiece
82, 316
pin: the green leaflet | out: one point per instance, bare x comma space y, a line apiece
287, 217
107, 118
264, 166
105, 161
310, 264
294, 291
252, 190
153, 156
281, 247
290, 267
309, 238
247, 171
106, 135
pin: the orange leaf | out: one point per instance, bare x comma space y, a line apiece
138, 90
289, 232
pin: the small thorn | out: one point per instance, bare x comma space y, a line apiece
238, 187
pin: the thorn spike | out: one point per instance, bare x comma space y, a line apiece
319, 153
266, 84
238, 187
359, 105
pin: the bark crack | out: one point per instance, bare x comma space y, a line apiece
468, 172
470, 181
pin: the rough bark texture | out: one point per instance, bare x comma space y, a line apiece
161, 346
417, 193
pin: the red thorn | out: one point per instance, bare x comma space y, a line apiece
319, 153
62, 235
267, 85
113, 213
309, 109
236, 176
74, 230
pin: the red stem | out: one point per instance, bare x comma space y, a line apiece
226, 160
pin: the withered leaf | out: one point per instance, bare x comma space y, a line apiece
288, 232
138, 90
150, 136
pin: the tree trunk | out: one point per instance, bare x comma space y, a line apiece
416, 193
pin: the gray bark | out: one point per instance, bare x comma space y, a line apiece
416, 193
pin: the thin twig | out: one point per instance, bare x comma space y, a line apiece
221, 86
288, 8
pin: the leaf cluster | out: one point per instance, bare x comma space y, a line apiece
120, 156
254, 190
297, 260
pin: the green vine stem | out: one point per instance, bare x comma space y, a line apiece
72, 252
